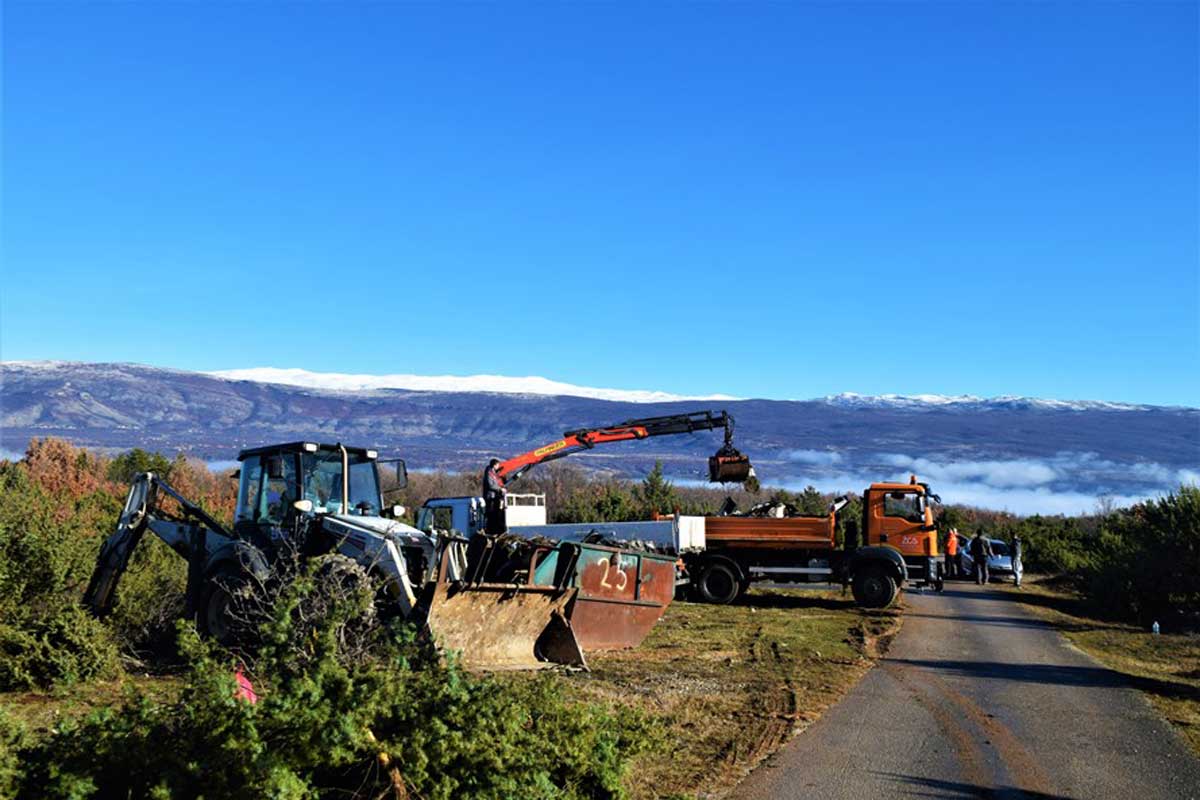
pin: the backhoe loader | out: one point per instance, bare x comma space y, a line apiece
314, 499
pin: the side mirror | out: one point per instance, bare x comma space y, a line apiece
275, 467
303, 506
401, 474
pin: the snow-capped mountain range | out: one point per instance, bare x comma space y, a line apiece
496, 384
943, 401
500, 384
1024, 454
536, 385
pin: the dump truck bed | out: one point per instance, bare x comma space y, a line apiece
770, 533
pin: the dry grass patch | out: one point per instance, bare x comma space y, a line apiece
42, 711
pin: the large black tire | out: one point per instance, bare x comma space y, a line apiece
220, 617
337, 574
719, 583
874, 588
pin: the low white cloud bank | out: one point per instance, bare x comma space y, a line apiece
817, 457
1067, 483
999, 474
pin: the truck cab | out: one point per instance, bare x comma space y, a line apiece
466, 515
463, 515
899, 516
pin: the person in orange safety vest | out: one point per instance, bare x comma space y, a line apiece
953, 569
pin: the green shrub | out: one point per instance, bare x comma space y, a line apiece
50, 535
12, 741
66, 646
1147, 560
48, 544
328, 725
150, 599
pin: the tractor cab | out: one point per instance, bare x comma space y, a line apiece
280, 482
898, 515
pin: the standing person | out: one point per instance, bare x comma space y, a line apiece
493, 499
952, 554
981, 551
1018, 567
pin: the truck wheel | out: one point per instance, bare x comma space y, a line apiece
874, 588
718, 584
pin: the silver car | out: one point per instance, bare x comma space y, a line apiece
999, 564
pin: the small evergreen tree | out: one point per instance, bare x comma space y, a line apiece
811, 502
125, 466
656, 494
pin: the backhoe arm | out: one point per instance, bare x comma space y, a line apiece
141, 511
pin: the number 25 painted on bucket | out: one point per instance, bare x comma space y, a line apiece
622, 578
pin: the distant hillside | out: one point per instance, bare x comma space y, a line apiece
1021, 453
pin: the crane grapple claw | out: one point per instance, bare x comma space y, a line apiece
729, 466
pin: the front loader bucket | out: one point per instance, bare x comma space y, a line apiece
498, 624
503, 625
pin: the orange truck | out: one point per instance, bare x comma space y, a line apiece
724, 555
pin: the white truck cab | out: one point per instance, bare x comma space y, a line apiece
465, 515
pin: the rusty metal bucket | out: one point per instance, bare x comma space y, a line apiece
501, 626
621, 593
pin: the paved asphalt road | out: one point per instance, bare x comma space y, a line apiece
977, 698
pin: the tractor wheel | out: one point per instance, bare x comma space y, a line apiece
341, 579
718, 584
874, 588
220, 619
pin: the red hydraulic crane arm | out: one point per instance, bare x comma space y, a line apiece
587, 438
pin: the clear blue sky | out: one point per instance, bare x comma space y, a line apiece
781, 200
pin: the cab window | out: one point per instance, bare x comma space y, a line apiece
281, 492
323, 482
439, 517
249, 489
364, 487
443, 518
903, 505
